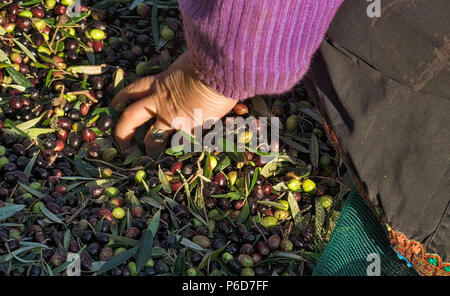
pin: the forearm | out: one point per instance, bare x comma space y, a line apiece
247, 47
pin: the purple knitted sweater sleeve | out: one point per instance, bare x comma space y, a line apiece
246, 47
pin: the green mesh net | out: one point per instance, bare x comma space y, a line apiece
357, 243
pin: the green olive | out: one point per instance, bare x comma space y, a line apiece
308, 186
191, 271
132, 268
37, 207
26, 13
324, 160
43, 49
150, 263
67, 2
97, 34
112, 192
119, 251
167, 33
294, 185
226, 257
292, 123
143, 69
109, 154
202, 240
50, 4
3, 161
2, 150
140, 176
35, 185
232, 177
281, 214
40, 25
269, 221
245, 260
247, 271
326, 201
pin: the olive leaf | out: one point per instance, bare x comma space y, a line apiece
294, 144
269, 168
50, 215
144, 250
163, 179
18, 78
32, 191
180, 264
210, 256
30, 165
155, 26
243, 215
154, 223
116, 261
188, 243
3, 56
9, 210
314, 151
25, 50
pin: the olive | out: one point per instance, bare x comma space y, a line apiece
74, 115
16, 102
57, 259
160, 267
13, 8
35, 270
87, 237
88, 135
153, 182
232, 248
225, 204
260, 270
247, 249
98, 82
105, 254
249, 237
263, 248
219, 243
235, 266
220, 179
196, 258
105, 123
143, 10
93, 249
24, 24
60, 10
71, 56
38, 12
202, 240
258, 192
274, 241
240, 109
65, 123
116, 271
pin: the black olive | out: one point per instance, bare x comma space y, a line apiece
233, 249
101, 238
105, 123
160, 267
235, 266
35, 270
219, 243
87, 237
249, 237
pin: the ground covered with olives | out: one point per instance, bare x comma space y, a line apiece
67, 191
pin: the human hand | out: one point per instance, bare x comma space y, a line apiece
174, 93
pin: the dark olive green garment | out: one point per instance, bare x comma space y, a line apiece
383, 84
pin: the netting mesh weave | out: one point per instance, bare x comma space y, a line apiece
357, 234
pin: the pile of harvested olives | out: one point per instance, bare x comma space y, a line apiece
71, 202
